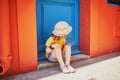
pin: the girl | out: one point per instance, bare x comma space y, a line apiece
56, 49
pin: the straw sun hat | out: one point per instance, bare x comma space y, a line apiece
62, 28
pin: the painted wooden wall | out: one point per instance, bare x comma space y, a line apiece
18, 25
101, 26
99, 23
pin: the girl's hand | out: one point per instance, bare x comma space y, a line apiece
48, 50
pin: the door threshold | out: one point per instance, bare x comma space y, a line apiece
74, 58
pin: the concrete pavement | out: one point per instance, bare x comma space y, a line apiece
106, 67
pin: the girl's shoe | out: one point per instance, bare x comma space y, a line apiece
64, 69
70, 68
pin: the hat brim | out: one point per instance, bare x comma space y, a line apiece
56, 34
69, 29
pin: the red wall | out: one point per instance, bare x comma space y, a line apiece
85, 26
104, 28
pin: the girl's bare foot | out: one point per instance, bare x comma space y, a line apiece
70, 68
64, 69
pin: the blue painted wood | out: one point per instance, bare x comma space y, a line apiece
49, 12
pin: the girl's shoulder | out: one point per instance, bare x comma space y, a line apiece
50, 38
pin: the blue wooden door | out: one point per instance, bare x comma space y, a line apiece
49, 12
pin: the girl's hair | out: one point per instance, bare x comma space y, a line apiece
55, 37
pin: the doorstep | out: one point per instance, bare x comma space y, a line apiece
74, 58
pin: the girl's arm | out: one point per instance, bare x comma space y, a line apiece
48, 45
48, 50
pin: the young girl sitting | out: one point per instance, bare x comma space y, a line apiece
57, 50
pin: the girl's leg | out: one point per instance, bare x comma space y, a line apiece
67, 54
57, 54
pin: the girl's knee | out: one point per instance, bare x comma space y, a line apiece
68, 45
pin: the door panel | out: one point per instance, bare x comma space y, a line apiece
49, 12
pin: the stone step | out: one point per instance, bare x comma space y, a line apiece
74, 58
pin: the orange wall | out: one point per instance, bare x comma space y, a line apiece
104, 28
19, 16
99, 33
94, 26
102, 19
5, 42
26, 11
14, 38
